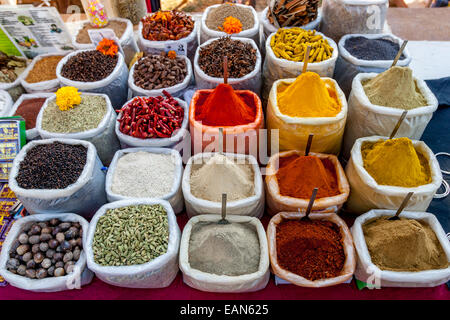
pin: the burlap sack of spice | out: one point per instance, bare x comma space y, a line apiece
222, 283
278, 203
157, 273
294, 131
175, 197
252, 206
81, 275
367, 194
369, 273
347, 242
103, 137
83, 197
366, 119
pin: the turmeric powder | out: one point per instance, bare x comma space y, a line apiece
395, 162
308, 96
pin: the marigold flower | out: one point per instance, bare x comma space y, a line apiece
67, 97
171, 54
108, 47
231, 25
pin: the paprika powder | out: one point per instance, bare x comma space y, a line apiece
29, 110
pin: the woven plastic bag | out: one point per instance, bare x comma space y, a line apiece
157, 273
366, 119
174, 197
347, 243
14, 88
369, 273
294, 132
278, 203
115, 86
252, 206
367, 194
81, 275
6, 103
103, 137
83, 197
348, 66
221, 283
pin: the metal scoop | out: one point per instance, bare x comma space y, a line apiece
310, 204
402, 206
224, 210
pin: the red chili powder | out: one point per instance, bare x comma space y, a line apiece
223, 107
29, 110
299, 175
312, 249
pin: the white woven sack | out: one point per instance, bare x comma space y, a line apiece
157, 273
252, 206
80, 276
7, 103
127, 141
251, 81
176, 90
366, 119
83, 197
369, 273
174, 197
221, 283
103, 137
367, 194
348, 66
115, 86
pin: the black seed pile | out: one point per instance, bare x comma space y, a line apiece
89, 66
51, 166
372, 49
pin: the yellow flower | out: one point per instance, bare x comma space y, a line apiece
67, 97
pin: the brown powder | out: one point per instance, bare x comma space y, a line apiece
44, 69
29, 110
217, 15
119, 28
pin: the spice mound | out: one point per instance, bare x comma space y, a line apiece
131, 235
311, 249
225, 107
224, 249
395, 88
216, 16
403, 245
51, 166
159, 71
308, 96
144, 175
167, 25
372, 49
291, 44
236, 179
291, 13
29, 110
44, 69
241, 58
46, 249
118, 27
89, 66
11, 67
151, 117
299, 175
396, 162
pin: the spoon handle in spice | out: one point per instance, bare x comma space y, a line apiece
224, 205
399, 53
225, 69
306, 59
311, 202
221, 140
402, 206
399, 123
308, 144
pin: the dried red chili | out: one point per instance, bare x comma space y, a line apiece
151, 117
312, 249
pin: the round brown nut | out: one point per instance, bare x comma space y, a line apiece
59, 272
23, 238
30, 273
22, 249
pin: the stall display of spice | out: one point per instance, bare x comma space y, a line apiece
44, 69
230, 18
117, 26
291, 13
29, 110
89, 66
167, 25
11, 67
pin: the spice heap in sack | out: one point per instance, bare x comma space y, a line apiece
396, 162
46, 249
403, 245
372, 49
151, 117
131, 235
290, 13
224, 249
11, 67
44, 69
230, 18
312, 249
167, 25
117, 26
29, 110
159, 71
291, 44
89, 66
241, 58
395, 88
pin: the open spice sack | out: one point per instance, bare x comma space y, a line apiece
40, 75
57, 176
411, 252
382, 171
224, 257
146, 173
239, 176
11, 74
291, 177
6, 102
48, 278
314, 253
149, 263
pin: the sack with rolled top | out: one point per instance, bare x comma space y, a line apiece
382, 171
61, 175
376, 55
367, 119
12, 75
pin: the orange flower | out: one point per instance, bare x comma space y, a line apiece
108, 47
171, 54
231, 25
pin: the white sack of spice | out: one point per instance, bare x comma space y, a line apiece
146, 173
5, 102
